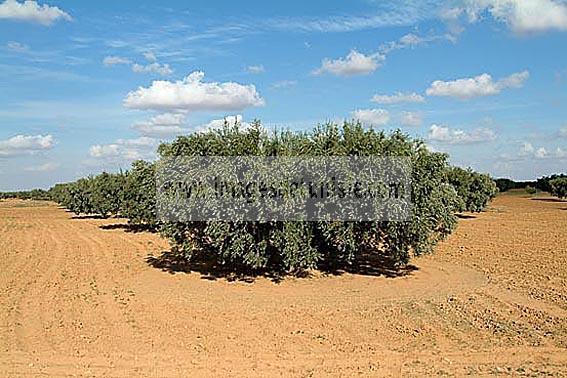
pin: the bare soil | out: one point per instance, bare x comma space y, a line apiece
79, 298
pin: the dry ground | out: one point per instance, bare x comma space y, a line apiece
79, 300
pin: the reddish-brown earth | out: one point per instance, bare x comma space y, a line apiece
80, 300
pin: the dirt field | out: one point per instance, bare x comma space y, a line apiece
80, 300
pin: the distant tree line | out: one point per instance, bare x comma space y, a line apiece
34, 194
543, 184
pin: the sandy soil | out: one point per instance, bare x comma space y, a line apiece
80, 300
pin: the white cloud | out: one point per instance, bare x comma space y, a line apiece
150, 56
563, 132
191, 94
256, 69
541, 153
411, 119
443, 134
161, 69
25, 145
398, 98
528, 150
17, 47
162, 125
47, 167
152, 67
522, 16
125, 150
372, 117
409, 41
31, 11
560, 153
354, 63
516, 80
219, 123
482, 85
404, 13
451, 18
284, 84
114, 60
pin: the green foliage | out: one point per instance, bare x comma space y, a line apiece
530, 190
99, 195
139, 195
295, 246
107, 194
437, 193
544, 183
505, 184
60, 193
559, 187
81, 196
475, 190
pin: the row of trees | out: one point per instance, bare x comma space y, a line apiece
128, 194
34, 194
474, 189
438, 192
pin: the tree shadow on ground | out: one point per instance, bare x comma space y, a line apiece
134, 228
368, 264
466, 216
549, 200
87, 217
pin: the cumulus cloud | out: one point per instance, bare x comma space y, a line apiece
47, 167
192, 94
25, 145
522, 16
411, 119
372, 117
443, 134
115, 60
527, 150
31, 11
563, 132
162, 125
354, 63
256, 69
398, 98
482, 85
125, 150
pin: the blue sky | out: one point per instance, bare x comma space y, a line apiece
90, 86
